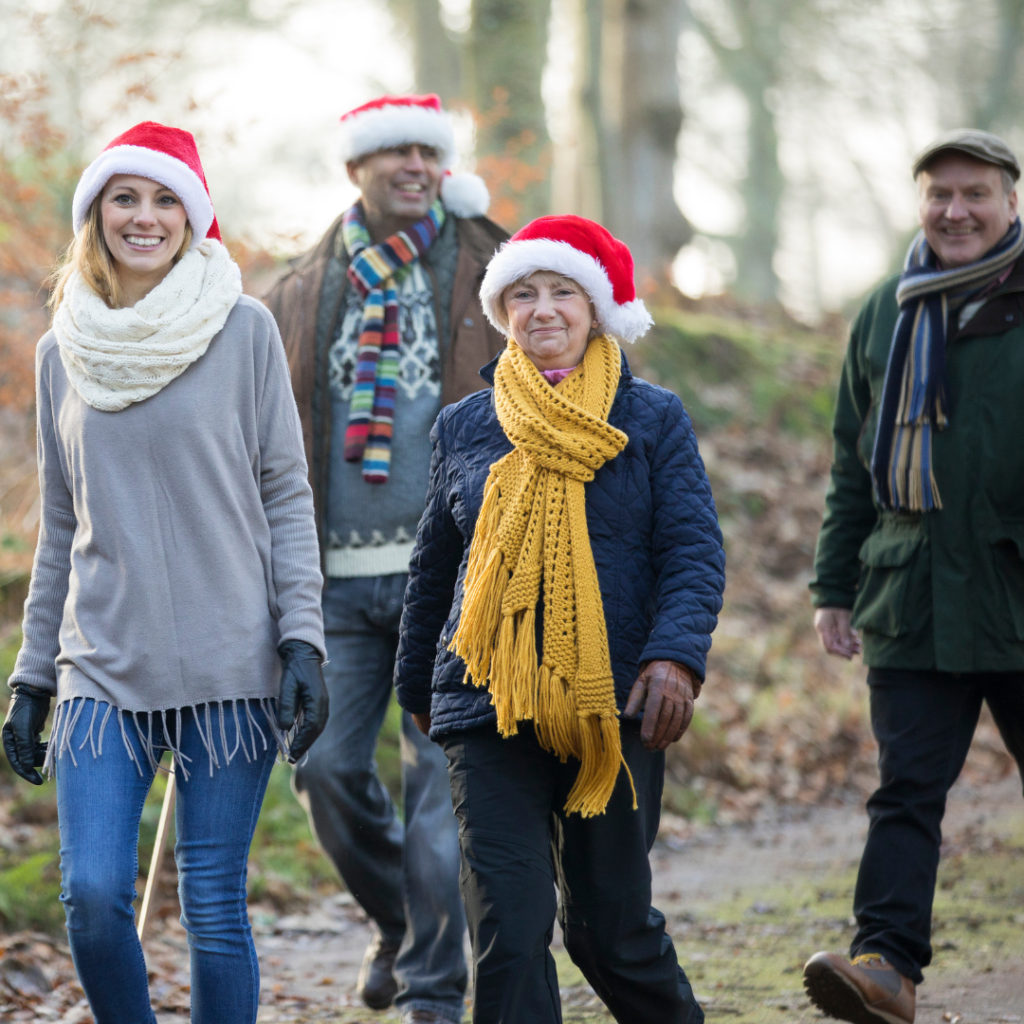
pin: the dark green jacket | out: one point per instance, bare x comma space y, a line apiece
940, 590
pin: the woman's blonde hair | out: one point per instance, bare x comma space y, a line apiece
90, 255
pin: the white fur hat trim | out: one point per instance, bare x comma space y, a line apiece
401, 125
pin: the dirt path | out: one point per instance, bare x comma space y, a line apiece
746, 905
782, 889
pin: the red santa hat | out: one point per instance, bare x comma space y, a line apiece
403, 120
165, 155
579, 249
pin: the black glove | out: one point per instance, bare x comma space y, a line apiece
26, 716
303, 700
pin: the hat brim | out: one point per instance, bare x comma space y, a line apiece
515, 261
980, 150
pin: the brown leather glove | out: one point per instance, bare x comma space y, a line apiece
666, 691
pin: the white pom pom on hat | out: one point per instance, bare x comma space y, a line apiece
579, 249
403, 120
465, 195
162, 154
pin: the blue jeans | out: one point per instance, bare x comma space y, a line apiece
406, 879
99, 804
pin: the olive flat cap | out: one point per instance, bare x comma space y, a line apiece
981, 145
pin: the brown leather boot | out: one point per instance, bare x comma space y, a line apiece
868, 990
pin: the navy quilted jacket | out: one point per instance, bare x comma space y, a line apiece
653, 530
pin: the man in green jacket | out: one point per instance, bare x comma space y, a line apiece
922, 546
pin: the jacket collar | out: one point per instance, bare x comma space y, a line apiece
1000, 313
487, 372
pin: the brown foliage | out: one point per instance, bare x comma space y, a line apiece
35, 184
510, 177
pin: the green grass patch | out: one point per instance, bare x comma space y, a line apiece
29, 894
389, 754
730, 371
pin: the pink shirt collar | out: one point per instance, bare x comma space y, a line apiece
554, 377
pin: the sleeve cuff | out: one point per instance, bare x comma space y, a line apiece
823, 598
698, 666
414, 703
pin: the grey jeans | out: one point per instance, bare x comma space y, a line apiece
405, 878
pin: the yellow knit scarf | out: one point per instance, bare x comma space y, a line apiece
532, 527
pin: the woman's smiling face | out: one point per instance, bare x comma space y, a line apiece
143, 226
550, 317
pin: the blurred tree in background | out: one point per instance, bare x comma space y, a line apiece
755, 133
834, 97
746, 37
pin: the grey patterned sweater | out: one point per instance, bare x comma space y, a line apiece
371, 528
177, 544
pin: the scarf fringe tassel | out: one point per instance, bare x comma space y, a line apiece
537, 693
213, 721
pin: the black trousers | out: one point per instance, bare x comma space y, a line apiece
517, 845
924, 723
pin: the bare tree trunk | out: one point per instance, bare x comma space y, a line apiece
999, 91
576, 166
753, 68
506, 54
436, 55
762, 192
638, 84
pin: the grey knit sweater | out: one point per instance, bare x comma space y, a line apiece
177, 543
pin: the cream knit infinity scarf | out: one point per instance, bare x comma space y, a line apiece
114, 357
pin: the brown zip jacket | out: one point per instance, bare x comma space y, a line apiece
306, 310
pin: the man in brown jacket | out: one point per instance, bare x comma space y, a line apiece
382, 325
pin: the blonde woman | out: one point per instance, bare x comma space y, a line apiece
567, 575
175, 596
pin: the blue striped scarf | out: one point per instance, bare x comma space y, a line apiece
915, 396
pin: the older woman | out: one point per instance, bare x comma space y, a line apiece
175, 597
567, 576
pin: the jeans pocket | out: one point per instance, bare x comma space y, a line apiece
388, 598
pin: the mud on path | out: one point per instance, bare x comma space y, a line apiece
746, 905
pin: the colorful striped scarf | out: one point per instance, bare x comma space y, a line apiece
915, 395
376, 271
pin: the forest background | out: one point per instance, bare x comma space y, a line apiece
753, 153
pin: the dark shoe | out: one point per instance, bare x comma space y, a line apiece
376, 985
867, 990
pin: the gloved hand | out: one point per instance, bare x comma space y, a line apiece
26, 716
303, 699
